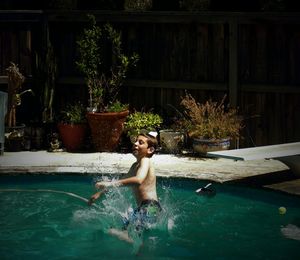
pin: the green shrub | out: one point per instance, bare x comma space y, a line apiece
138, 121
73, 114
210, 120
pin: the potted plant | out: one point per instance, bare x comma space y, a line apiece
172, 138
173, 133
210, 125
106, 115
138, 122
72, 127
14, 133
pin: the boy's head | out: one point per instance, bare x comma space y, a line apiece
145, 145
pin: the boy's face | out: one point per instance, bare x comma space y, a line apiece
140, 147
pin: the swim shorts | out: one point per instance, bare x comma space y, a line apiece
145, 215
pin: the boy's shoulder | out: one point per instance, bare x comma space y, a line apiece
144, 162
146, 159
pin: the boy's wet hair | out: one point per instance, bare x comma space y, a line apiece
151, 141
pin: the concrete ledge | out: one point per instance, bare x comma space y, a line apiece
260, 152
217, 170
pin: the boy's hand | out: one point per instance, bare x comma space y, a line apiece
94, 197
103, 184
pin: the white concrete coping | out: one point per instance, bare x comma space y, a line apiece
260, 152
166, 165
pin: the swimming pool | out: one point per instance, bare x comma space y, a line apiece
236, 223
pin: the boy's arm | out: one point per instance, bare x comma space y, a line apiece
138, 179
94, 197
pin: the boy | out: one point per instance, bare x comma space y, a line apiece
141, 177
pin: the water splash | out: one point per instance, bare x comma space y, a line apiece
116, 204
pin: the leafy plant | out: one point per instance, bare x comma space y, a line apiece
74, 114
210, 120
138, 121
117, 106
176, 122
15, 82
46, 68
104, 82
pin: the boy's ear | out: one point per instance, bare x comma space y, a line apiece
151, 150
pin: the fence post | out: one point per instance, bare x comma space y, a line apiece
233, 63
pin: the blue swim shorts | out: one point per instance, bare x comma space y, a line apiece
143, 216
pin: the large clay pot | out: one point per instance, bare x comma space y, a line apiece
106, 129
204, 146
72, 136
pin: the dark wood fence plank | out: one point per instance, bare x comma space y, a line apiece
180, 51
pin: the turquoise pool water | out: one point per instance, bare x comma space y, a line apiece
237, 223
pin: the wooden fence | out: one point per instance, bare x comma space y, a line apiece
254, 58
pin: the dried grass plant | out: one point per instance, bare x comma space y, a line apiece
211, 120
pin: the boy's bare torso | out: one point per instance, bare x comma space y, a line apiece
147, 189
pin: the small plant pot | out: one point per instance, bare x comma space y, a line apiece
203, 146
72, 136
171, 141
14, 138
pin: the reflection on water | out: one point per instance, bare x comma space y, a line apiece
291, 231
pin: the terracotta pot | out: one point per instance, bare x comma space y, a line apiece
106, 129
72, 136
203, 146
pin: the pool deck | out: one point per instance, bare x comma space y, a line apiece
270, 173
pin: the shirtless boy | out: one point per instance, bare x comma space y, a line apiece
141, 177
